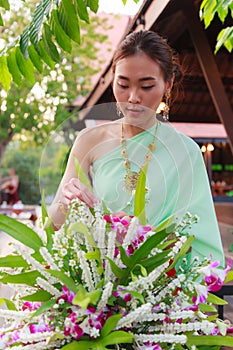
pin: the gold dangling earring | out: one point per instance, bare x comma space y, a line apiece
166, 109
119, 113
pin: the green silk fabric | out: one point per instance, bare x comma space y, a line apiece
177, 183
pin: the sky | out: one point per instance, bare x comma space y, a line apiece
117, 6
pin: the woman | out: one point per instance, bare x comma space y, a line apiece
145, 73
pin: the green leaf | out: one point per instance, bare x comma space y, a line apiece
148, 245
164, 224
49, 45
24, 41
139, 200
160, 258
118, 337
229, 277
82, 10
69, 20
20, 232
80, 345
43, 54
61, 37
25, 66
209, 340
139, 255
124, 257
42, 9
206, 308
66, 280
13, 67
9, 304
1, 21
84, 298
28, 278
44, 307
48, 228
215, 300
81, 174
118, 272
184, 249
225, 37
13, 261
41, 295
93, 5
5, 76
109, 325
5, 4
35, 58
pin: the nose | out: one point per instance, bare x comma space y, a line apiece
134, 96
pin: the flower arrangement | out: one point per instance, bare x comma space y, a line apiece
104, 282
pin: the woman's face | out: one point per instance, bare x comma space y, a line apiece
138, 83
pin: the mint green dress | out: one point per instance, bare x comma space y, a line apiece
177, 183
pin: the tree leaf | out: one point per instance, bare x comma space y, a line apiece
25, 66
1, 21
48, 229
49, 45
42, 9
61, 37
35, 58
93, 5
82, 10
24, 41
5, 76
69, 20
20, 232
5, 4
44, 55
13, 67
225, 37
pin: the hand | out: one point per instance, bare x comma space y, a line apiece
76, 189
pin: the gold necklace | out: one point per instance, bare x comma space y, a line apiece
131, 177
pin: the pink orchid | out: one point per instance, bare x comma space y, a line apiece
39, 328
31, 306
202, 294
215, 276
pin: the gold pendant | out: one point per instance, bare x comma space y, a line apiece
130, 181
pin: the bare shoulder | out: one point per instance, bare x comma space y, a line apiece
99, 133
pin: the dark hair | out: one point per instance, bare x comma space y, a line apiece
155, 47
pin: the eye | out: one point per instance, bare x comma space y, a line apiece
147, 87
122, 86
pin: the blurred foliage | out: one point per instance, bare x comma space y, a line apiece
38, 168
221, 8
35, 109
26, 163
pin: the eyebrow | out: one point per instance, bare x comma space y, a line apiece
141, 79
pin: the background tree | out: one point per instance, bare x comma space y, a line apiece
36, 103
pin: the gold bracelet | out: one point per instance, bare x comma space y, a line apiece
62, 207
